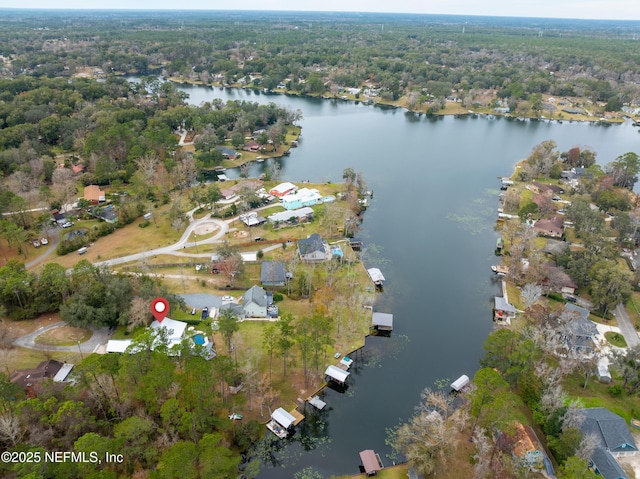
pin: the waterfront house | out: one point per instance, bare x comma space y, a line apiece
613, 440
283, 189
251, 145
312, 249
552, 228
503, 311
255, 302
272, 273
579, 331
302, 214
301, 198
228, 153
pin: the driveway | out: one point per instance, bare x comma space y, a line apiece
99, 337
626, 326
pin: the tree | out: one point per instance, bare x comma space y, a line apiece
269, 342
610, 285
285, 338
228, 323
16, 289
52, 288
624, 170
543, 157
304, 340
576, 468
429, 439
627, 363
585, 220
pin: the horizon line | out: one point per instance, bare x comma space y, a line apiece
357, 12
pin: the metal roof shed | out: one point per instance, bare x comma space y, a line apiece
283, 418
370, 462
336, 374
382, 321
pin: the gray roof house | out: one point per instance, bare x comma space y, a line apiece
273, 273
255, 302
578, 329
613, 437
312, 248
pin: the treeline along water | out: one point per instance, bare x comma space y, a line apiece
430, 229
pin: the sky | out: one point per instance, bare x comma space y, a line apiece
586, 9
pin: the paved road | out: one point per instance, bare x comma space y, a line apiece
53, 244
182, 243
626, 326
100, 336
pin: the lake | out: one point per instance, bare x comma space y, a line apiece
430, 229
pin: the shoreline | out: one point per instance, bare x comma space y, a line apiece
396, 105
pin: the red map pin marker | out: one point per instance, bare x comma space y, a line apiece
159, 308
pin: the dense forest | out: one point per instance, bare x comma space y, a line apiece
431, 56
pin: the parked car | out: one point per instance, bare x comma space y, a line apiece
228, 299
36, 244
193, 312
205, 313
44, 240
68, 224
82, 250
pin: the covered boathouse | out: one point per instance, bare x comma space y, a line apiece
371, 462
280, 423
336, 374
382, 321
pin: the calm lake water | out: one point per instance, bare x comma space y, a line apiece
432, 224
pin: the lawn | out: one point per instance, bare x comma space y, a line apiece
615, 339
596, 395
394, 472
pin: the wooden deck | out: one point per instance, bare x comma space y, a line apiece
299, 417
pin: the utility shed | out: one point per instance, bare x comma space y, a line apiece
382, 321
336, 374
370, 462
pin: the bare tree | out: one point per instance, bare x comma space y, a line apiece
531, 293
139, 313
482, 454
10, 430
148, 166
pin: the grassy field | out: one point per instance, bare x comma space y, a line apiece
596, 395
394, 472
64, 336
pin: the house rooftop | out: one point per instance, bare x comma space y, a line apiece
311, 244
610, 429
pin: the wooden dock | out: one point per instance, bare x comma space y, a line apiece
299, 417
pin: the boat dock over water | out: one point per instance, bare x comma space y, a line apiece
376, 276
